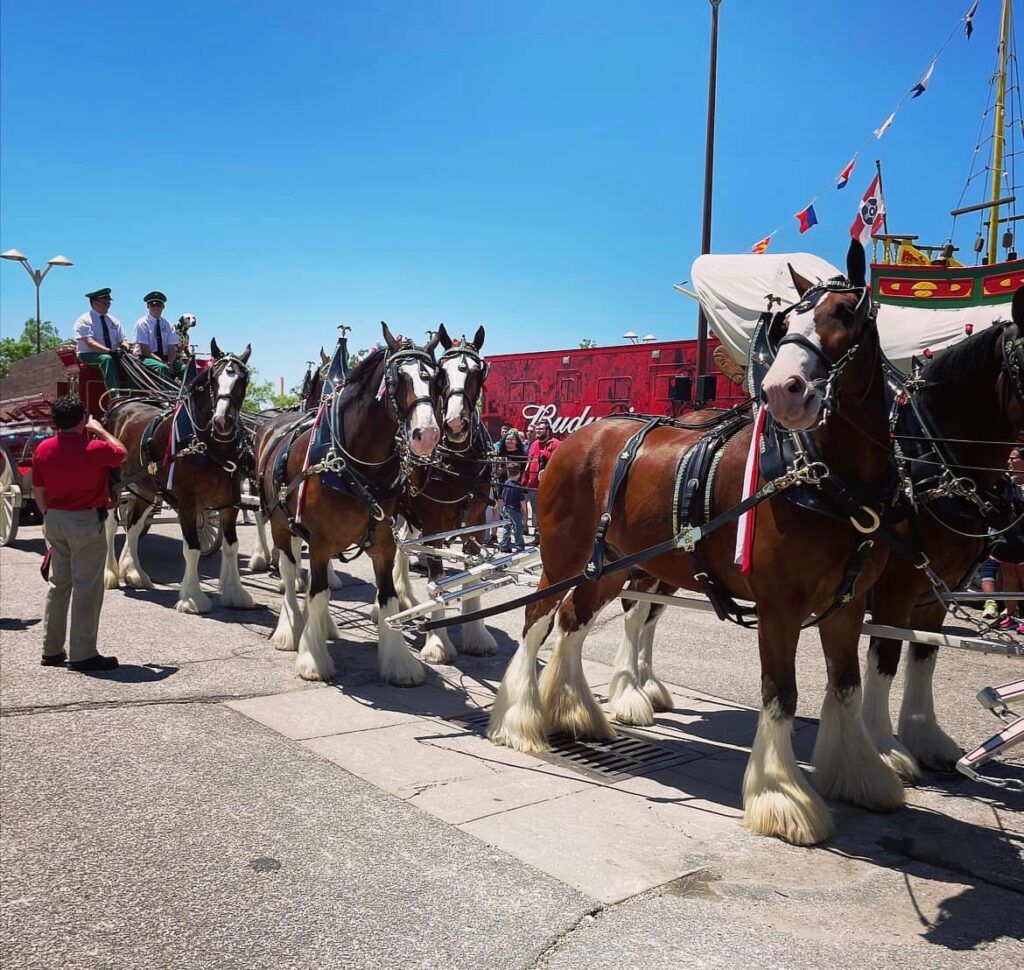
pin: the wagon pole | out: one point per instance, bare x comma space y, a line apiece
37, 277
709, 165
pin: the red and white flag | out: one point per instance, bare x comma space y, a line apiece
870, 219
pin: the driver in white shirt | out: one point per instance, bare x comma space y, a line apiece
156, 342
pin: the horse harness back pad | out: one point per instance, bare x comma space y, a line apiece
691, 506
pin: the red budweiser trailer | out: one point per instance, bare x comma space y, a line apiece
573, 387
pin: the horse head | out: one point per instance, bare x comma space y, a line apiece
220, 391
814, 340
461, 375
410, 380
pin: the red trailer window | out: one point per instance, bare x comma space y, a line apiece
568, 386
614, 388
524, 392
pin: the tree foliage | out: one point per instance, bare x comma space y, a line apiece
587, 342
16, 348
260, 395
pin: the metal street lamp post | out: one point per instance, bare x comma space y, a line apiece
37, 277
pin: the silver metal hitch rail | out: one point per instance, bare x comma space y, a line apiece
996, 699
482, 573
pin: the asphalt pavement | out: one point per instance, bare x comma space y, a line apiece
202, 807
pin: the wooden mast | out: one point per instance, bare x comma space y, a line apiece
999, 134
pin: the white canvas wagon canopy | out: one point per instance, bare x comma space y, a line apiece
733, 289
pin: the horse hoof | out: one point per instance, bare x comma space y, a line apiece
518, 729
800, 818
405, 672
110, 579
900, 760
477, 641
437, 651
136, 579
196, 604
237, 600
929, 744
258, 562
306, 668
660, 696
630, 705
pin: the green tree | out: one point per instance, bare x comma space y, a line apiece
587, 342
15, 348
261, 395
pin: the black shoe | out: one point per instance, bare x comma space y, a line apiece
99, 662
53, 660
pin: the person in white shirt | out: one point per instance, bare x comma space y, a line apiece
156, 343
99, 339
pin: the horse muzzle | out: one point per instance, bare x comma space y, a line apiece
423, 441
794, 402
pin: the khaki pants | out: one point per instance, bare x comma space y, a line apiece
78, 548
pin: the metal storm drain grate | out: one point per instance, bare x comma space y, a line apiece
625, 757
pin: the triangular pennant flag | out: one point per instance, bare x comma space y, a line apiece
969, 19
885, 125
918, 89
844, 175
762, 244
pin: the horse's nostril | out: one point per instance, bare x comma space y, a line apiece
795, 386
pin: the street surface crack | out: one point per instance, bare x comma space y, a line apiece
562, 939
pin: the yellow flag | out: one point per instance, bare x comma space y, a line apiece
910, 255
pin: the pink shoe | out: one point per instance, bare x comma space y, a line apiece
1020, 627
1008, 623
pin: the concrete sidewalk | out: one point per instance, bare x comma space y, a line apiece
202, 807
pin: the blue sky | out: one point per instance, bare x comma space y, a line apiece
536, 167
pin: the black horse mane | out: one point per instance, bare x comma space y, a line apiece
360, 378
965, 360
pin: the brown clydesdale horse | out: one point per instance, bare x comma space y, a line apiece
456, 491
381, 422
203, 471
954, 514
797, 565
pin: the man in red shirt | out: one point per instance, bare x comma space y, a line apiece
541, 449
69, 479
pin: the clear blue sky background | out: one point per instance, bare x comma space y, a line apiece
278, 169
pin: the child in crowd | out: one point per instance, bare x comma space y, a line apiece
513, 506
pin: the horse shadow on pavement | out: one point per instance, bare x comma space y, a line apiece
980, 851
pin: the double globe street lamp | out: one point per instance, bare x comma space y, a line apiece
37, 277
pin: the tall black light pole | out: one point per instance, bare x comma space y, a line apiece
709, 169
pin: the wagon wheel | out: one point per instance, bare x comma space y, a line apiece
10, 511
211, 535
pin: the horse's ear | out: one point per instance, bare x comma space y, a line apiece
442, 335
478, 338
245, 354
434, 342
801, 283
215, 351
1018, 308
324, 359
389, 337
856, 264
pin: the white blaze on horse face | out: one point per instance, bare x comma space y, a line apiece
457, 370
424, 434
791, 398
223, 389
